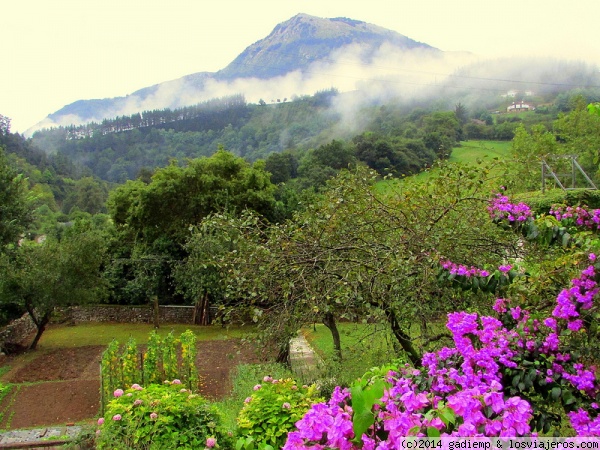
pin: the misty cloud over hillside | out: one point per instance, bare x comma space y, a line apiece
376, 73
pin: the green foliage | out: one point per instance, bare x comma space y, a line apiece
54, 273
364, 398
359, 254
152, 359
15, 213
273, 409
130, 364
159, 362
541, 203
188, 359
161, 417
110, 371
153, 220
169, 355
249, 443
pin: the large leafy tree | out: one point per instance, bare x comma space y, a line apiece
154, 219
361, 253
54, 273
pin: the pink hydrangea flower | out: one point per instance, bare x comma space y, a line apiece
117, 417
153, 416
118, 393
286, 405
211, 442
176, 381
257, 387
100, 420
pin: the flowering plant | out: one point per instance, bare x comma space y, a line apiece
160, 417
579, 216
273, 408
475, 278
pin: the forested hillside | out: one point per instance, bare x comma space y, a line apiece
121, 149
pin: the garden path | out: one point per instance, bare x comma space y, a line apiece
303, 359
38, 437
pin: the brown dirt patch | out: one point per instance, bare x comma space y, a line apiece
216, 360
51, 403
63, 386
64, 364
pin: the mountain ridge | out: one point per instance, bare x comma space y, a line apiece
292, 46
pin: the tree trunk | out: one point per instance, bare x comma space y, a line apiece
329, 322
41, 327
155, 314
404, 339
283, 355
201, 316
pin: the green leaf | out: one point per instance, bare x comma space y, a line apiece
362, 406
433, 432
555, 393
447, 415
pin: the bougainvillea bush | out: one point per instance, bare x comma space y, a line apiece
515, 374
160, 417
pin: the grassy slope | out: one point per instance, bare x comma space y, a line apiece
470, 151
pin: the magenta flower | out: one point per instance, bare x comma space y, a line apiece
153, 416
100, 420
118, 393
211, 442
257, 387
286, 405
116, 417
248, 400
505, 269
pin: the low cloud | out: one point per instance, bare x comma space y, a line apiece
373, 76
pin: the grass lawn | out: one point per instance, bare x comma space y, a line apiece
363, 346
470, 151
62, 336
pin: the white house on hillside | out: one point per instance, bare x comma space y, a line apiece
519, 106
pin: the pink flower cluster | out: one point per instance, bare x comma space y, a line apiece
330, 422
578, 214
459, 269
500, 207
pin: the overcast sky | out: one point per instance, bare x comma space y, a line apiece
58, 51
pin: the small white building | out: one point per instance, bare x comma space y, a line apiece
518, 107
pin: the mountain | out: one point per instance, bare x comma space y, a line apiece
295, 45
302, 40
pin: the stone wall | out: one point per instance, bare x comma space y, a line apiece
18, 330
127, 314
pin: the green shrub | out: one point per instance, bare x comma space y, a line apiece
160, 417
541, 203
271, 412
